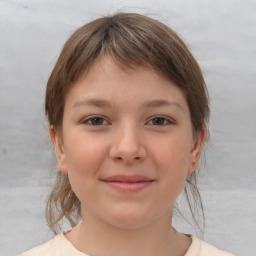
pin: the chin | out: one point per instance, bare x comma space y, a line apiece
130, 219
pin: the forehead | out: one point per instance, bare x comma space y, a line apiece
110, 80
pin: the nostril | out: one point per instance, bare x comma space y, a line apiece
127, 152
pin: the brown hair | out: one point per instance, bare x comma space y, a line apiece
133, 40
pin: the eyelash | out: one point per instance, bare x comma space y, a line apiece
165, 121
90, 119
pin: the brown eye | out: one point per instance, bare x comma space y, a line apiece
96, 121
160, 121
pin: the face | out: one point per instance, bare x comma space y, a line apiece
126, 144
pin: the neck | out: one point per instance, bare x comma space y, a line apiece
95, 237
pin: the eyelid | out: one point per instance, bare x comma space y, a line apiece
89, 118
168, 119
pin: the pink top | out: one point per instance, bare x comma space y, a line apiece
61, 246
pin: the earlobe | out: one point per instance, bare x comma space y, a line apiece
197, 150
59, 149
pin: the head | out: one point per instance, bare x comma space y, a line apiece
133, 41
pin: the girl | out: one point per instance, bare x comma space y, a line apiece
127, 108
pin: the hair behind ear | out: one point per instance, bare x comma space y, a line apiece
62, 202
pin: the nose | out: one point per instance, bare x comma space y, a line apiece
128, 146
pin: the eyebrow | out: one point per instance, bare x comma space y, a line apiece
93, 102
147, 104
161, 103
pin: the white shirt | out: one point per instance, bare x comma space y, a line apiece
61, 246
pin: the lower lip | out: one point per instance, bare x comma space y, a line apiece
129, 186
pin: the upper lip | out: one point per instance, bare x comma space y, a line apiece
127, 178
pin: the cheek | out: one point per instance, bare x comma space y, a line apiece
173, 154
84, 159
172, 160
85, 152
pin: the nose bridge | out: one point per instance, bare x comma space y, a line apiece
127, 144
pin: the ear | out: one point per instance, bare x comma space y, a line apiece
59, 149
197, 150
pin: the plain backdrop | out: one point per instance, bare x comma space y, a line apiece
220, 34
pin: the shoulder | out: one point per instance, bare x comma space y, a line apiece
201, 248
55, 247
210, 250
49, 248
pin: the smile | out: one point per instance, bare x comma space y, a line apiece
125, 183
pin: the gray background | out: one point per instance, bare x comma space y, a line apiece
222, 36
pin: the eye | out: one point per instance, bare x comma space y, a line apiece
96, 120
160, 121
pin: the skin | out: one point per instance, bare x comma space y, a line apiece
142, 127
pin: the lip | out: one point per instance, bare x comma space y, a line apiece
124, 183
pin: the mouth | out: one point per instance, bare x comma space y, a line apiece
124, 183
